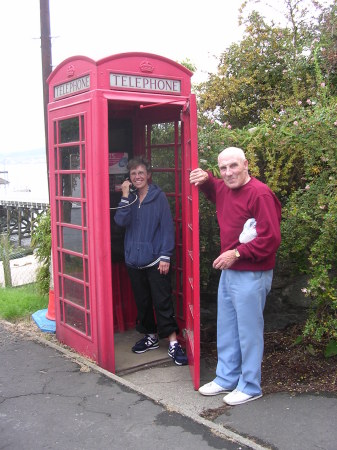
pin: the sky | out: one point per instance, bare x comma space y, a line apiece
176, 29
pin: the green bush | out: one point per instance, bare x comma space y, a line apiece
274, 95
41, 242
294, 152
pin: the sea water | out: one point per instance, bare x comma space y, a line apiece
27, 177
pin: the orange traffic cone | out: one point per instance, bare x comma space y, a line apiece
50, 315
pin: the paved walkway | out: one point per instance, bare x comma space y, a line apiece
52, 398
50, 401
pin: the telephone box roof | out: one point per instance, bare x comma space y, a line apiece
141, 68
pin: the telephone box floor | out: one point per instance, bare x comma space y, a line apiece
127, 362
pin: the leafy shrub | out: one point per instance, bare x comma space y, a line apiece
41, 241
294, 152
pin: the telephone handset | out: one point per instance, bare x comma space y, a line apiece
132, 188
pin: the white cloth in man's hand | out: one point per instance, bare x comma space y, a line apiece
249, 231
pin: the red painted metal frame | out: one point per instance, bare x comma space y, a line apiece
191, 240
81, 342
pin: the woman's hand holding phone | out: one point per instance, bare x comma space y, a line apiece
127, 188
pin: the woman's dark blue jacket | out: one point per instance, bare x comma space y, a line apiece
149, 235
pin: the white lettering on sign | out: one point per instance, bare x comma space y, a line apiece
119, 80
72, 87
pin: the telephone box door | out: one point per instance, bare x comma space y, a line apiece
191, 238
171, 146
70, 142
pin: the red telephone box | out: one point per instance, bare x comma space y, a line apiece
100, 115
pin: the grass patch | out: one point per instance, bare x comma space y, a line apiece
21, 302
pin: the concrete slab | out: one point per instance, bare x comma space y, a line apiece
23, 270
286, 421
128, 362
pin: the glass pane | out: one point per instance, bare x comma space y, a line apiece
82, 129
179, 306
162, 157
72, 239
58, 236
73, 265
173, 275
172, 203
57, 211
84, 187
56, 185
71, 185
88, 325
55, 158
164, 180
162, 133
71, 212
70, 157
180, 250
73, 292
74, 317
179, 208
179, 182
61, 311
88, 298
60, 286
85, 242
69, 130
55, 133
86, 271
179, 156
84, 214
83, 157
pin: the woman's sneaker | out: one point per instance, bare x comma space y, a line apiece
145, 344
177, 354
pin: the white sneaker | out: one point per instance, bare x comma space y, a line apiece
238, 398
212, 388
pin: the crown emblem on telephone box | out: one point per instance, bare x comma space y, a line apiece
146, 66
70, 71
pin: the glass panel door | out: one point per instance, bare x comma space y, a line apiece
71, 226
70, 232
172, 149
190, 204
163, 149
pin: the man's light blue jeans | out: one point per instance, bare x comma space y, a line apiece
241, 300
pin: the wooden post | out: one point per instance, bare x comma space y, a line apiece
19, 226
5, 251
46, 57
8, 220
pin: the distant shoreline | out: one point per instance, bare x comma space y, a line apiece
26, 174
